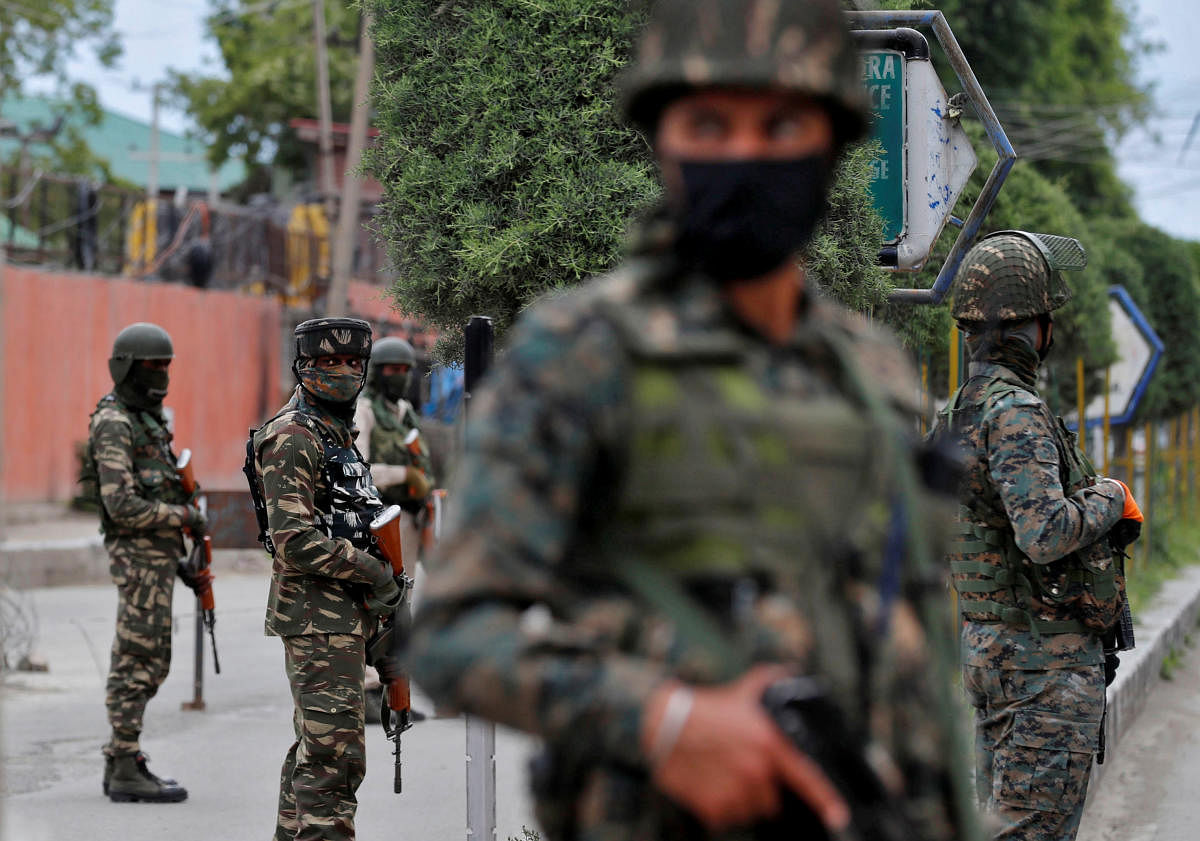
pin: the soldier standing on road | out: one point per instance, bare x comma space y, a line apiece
143, 513
389, 436
1032, 562
694, 477
327, 591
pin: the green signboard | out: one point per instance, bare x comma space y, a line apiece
883, 77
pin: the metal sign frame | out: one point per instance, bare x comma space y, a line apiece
1007, 156
1156, 352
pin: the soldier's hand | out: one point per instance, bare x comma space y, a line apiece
384, 599
730, 760
197, 522
390, 669
199, 582
418, 483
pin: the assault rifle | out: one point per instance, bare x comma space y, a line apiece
200, 558
1120, 638
396, 708
812, 722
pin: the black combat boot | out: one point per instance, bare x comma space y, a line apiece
108, 768
131, 781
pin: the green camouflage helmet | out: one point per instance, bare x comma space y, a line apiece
1015, 276
795, 45
393, 351
140, 340
330, 336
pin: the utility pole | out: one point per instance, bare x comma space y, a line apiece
152, 175
325, 111
349, 216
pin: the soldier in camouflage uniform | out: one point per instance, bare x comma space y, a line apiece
695, 475
143, 513
327, 590
389, 436
1031, 558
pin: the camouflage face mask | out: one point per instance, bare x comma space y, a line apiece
339, 384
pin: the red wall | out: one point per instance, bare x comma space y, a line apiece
58, 330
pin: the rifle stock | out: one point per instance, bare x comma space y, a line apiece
389, 642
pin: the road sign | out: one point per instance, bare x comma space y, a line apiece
926, 158
1139, 348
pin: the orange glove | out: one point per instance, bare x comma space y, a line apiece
1132, 510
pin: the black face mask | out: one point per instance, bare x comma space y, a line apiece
144, 388
741, 219
394, 387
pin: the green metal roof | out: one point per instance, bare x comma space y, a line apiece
125, 143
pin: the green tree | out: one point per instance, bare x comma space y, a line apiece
508, 171
270, 67
37, 39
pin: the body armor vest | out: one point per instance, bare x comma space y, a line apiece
345, 501
995, 580
153, 463
733, 489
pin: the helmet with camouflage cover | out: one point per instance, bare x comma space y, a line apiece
804, 47
1015, 276
332, 336
140, 340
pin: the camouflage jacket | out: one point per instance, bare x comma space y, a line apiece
1014, 485
383, 425
311, 571
520, 623
140, 493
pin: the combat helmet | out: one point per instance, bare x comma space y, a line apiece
1014, 276
140, 340
803, 47
393, 351
331, 336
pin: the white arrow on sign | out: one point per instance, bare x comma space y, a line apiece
1139, 348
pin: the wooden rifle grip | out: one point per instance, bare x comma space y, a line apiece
399, 698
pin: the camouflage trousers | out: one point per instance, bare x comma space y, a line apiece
1035, 734
141, 651
326, 763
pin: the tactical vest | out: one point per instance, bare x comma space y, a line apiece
345, 500
152, 458
995, 580
727, 480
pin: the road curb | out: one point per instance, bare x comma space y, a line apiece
1172, 617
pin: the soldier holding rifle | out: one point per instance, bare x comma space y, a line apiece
144, 511
315, 499
689, 546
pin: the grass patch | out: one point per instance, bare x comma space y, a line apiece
1169, 664
1174, 545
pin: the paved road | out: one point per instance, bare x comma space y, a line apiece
1149, 791
228, 756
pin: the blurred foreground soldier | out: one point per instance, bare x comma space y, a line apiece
1032, 560
691, 480
143, 512
326, 589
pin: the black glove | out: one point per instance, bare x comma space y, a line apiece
198, 581
1111, 661
197, 522
384, 599
1124, 532
389, 669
